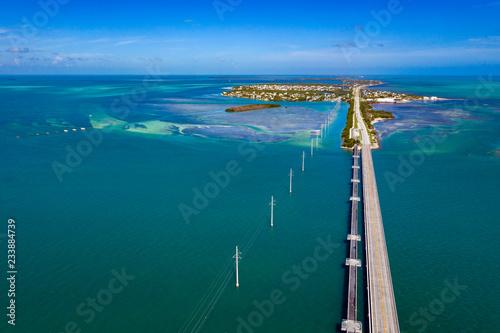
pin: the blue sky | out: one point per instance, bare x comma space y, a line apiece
250, 37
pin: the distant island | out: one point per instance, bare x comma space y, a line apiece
305, 92
252, 107
319, 92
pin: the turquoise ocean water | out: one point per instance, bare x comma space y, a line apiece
115, 209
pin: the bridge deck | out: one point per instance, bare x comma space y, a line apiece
351, 324
382, 305
382, 311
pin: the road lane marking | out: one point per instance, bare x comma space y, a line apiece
376, 248
375, 232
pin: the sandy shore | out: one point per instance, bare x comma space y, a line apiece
378, 120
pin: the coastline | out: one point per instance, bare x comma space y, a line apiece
316, 92
253, 107
378, 120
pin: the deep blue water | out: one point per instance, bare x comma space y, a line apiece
116, 205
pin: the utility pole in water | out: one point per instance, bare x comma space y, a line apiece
303, 157
273, 203
237, 256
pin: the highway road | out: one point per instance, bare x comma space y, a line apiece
382, 311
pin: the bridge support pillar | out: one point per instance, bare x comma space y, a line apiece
353, 262
354, 237
351, 326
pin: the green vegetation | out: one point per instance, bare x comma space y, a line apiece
347, 141
369, 114
303, 92
376, 94
381, 114
252, 107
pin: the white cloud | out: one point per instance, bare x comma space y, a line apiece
291, 46
126, 42
57, 60
387, 57
18, 50
100, 40
486, 40
230, 62
173, 40
491, 4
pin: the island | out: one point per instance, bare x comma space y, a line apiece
320, 92
351, 122
252, 107
369, 116
379, 96
304, 92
